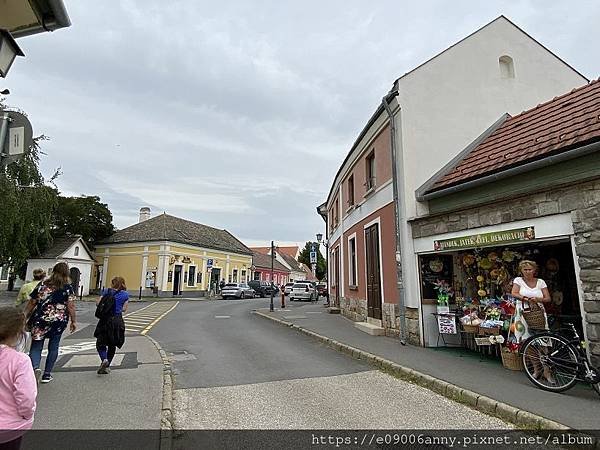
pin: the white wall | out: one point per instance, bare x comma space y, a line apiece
449, 101
452, 99
85, 267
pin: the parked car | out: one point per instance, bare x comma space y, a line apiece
288, 288
303, 290
262, 288
322, 290
237, 290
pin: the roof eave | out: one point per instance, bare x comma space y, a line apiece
527, 167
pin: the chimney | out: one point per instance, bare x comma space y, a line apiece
144, 213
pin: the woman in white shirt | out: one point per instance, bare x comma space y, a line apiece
527, 290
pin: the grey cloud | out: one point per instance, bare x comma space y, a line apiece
238, 114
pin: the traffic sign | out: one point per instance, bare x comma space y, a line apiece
209, 263
313, 257
18, 137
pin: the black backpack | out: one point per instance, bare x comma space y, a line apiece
106, 306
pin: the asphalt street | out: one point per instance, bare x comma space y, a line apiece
234, 370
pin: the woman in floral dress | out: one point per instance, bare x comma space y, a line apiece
51, 305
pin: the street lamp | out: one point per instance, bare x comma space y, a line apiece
9, 50
326, 244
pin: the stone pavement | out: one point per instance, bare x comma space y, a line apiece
482, 380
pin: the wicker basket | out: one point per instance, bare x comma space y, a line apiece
535, 317
491, 331
470, 328
512, 361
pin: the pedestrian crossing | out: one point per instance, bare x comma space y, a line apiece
142, 320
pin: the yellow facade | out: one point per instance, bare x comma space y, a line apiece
159, 266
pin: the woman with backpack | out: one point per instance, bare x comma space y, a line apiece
51, 306
110, 331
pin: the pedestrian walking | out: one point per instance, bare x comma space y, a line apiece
110, 330
27, 288
50, 308
18, 388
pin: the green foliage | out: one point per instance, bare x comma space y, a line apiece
83, 215
321, 264
27, 208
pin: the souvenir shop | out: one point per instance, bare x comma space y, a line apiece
466, 283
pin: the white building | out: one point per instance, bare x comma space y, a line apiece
72, 250
437, 108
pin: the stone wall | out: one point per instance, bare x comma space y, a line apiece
356, 310
581, 200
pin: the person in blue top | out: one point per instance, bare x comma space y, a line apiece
110, 331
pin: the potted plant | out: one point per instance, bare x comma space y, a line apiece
444, 293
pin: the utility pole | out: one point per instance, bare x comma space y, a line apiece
271, 308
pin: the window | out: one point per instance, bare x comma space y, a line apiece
256, 276
507, 67
191, 276
370, 171
351, 191
243, 276
199, 278
336, 213
77, 251
235, 274
4, 273
352, 261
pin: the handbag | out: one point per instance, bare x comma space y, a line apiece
534, 315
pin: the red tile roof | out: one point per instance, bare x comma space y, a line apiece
290, 251
561, 124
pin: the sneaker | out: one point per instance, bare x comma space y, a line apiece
103, 370
46, 378
38, 375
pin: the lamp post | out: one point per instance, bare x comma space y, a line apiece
271, 308
320, 240
9, 50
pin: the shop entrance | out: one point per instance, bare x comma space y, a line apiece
336, 276
177, 280
481, 278
215, 278
373, 272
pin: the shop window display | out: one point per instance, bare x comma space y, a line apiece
479, 284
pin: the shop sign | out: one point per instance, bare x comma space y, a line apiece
486, 239
186, 259
446, 324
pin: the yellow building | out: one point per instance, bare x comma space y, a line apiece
169, 256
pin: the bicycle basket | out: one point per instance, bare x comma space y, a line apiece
535, 317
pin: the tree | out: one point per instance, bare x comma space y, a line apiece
27, 204
84, 215
305, 258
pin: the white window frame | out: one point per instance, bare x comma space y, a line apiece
76, 251
353, 277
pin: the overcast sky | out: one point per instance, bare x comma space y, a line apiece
238, 114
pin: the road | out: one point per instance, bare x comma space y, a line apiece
235, 370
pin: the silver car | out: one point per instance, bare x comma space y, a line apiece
303, 290
237, 290
288, 288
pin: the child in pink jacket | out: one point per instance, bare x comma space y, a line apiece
18, 387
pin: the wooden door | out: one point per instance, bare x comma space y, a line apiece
373, 272
338, 281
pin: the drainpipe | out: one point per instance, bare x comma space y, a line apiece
397, 208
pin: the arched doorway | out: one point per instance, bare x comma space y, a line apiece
75, 275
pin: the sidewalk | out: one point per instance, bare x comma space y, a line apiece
578, 408
129, 398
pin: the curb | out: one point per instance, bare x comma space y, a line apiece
487, 405
166, 416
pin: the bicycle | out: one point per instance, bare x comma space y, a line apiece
556, 363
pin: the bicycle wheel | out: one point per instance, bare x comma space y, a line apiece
550, 362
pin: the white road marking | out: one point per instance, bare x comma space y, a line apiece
222, 317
